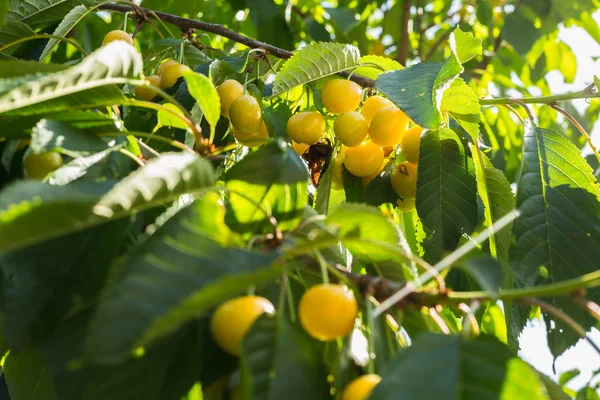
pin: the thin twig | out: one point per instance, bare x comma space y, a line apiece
470, 322
515, 113
439, 321
404, 39
187, 23
579, 128
522, 104
592, 308
558, 313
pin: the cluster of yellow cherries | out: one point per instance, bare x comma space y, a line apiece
365, 136
326, 312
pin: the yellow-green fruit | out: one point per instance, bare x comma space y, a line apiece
37, 166
388, 125
410, 144
351, 128
300, 148
161, 68
364, 160
328, 311
367, 179
145, 93
372, 105
306, 127
361, 387
229, 91
407, 204
171, 74
245, 114
117, 35
341, 95
404, 179
337, 172
252, 139
233, 319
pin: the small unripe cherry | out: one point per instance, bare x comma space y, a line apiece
117, 35
37, 166
229, 91
361, 387
245, 114
146, 93
306, 127
351, 128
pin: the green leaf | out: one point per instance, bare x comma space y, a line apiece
446, 191
41, 12
567, 376
465, 45
12, 32
27, 377
56, 136
520, 32
279, 360
4, 5
188, 265
381, 65
380, 191
66, 25
33, 212
493, 322
479, 369
559, 56
91, 82
462, 104
166, 118
557, 236
205, 93
274, 178
314, 61
92, 166
47, 280
488, 273
90, 121
387, 250
161, 180
497, 198
15, 68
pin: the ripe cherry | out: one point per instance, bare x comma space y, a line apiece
233, 319
145, 93
341, 95
351, 128
245, 114
407, 204
171, 74
364, 160
252, 139
361, 387
300, 148
410, 142
306, 127
388, 125
117, 35
372, 105
328, 311
337, 172
38, 166
161, 68
404, 179
229, 91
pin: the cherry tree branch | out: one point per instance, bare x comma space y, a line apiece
185, 24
